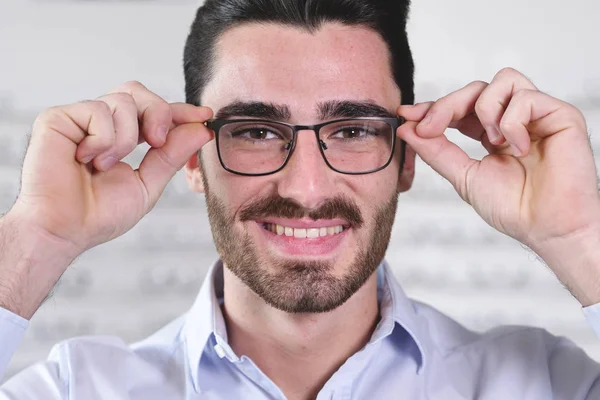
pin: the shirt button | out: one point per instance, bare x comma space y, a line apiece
220, 351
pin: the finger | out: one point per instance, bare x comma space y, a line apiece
88, 124
470, 126
184, 113
160, 164
493, 101
452, 107
530, 110
414, 112
442, 155
124, 115
154, 113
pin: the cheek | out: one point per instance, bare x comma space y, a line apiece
234, 190
378, 188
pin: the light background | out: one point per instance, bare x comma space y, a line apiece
56, 52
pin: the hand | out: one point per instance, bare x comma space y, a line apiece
75, 189
538, 183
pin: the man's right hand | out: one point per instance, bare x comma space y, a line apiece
75, 192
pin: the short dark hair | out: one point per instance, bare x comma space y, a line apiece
387, 17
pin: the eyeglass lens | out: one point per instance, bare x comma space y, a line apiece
352, 146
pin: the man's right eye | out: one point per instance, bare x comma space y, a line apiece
256, 134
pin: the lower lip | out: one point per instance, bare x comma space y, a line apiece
321, 246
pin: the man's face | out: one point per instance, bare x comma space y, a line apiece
300, 74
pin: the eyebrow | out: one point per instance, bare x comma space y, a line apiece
255, 109
327, 110
351, 109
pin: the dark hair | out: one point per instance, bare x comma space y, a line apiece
387, 17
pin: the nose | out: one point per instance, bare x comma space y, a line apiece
306, 178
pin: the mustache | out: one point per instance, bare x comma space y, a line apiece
277, 206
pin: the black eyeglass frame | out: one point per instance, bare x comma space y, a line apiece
217, 124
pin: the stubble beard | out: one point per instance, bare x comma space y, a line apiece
300, 287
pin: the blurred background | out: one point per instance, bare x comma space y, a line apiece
57, 52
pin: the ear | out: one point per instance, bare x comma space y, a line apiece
193, 174
407, 177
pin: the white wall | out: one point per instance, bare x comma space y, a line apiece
55, 52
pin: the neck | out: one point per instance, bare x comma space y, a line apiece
298, 352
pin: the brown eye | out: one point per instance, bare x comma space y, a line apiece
255, 134
258, 133
350, 133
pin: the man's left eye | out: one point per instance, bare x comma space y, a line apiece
349, 133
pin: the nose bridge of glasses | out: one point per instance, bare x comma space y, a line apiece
308, 129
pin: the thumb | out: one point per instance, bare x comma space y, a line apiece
445, 157
160, 164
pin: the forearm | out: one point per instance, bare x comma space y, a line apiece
576, 263
31, 262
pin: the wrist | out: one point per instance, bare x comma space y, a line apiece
31, 262
576, 262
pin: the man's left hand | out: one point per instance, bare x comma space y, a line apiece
538, 183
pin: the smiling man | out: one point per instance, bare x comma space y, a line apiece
300, 129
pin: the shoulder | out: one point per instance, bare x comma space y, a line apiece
154, 358
450, 336
523, 355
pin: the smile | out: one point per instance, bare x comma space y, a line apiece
304, 237
303, 233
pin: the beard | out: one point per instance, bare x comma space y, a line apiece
300, 287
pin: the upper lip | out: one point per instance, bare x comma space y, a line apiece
304, 223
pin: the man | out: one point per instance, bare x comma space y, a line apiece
314, 135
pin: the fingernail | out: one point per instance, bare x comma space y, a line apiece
516, 151
107, 163
493, 134
162, 132
87, 159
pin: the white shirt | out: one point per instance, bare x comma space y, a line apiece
414, 353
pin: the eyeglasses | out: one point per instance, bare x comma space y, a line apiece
255, 147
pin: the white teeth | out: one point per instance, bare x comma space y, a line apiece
300, 233
303, 233
312, 233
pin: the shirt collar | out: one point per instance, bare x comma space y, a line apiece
395, 305
205, 318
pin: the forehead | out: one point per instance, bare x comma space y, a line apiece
291, 66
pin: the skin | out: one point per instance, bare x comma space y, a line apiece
538, 183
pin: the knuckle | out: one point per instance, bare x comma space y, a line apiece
97, 106
134, 85
508, 71
52, 118
507, 125
478, 84
48, 115
129, 87
122, 98
576, 115
522, 94
483, 108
